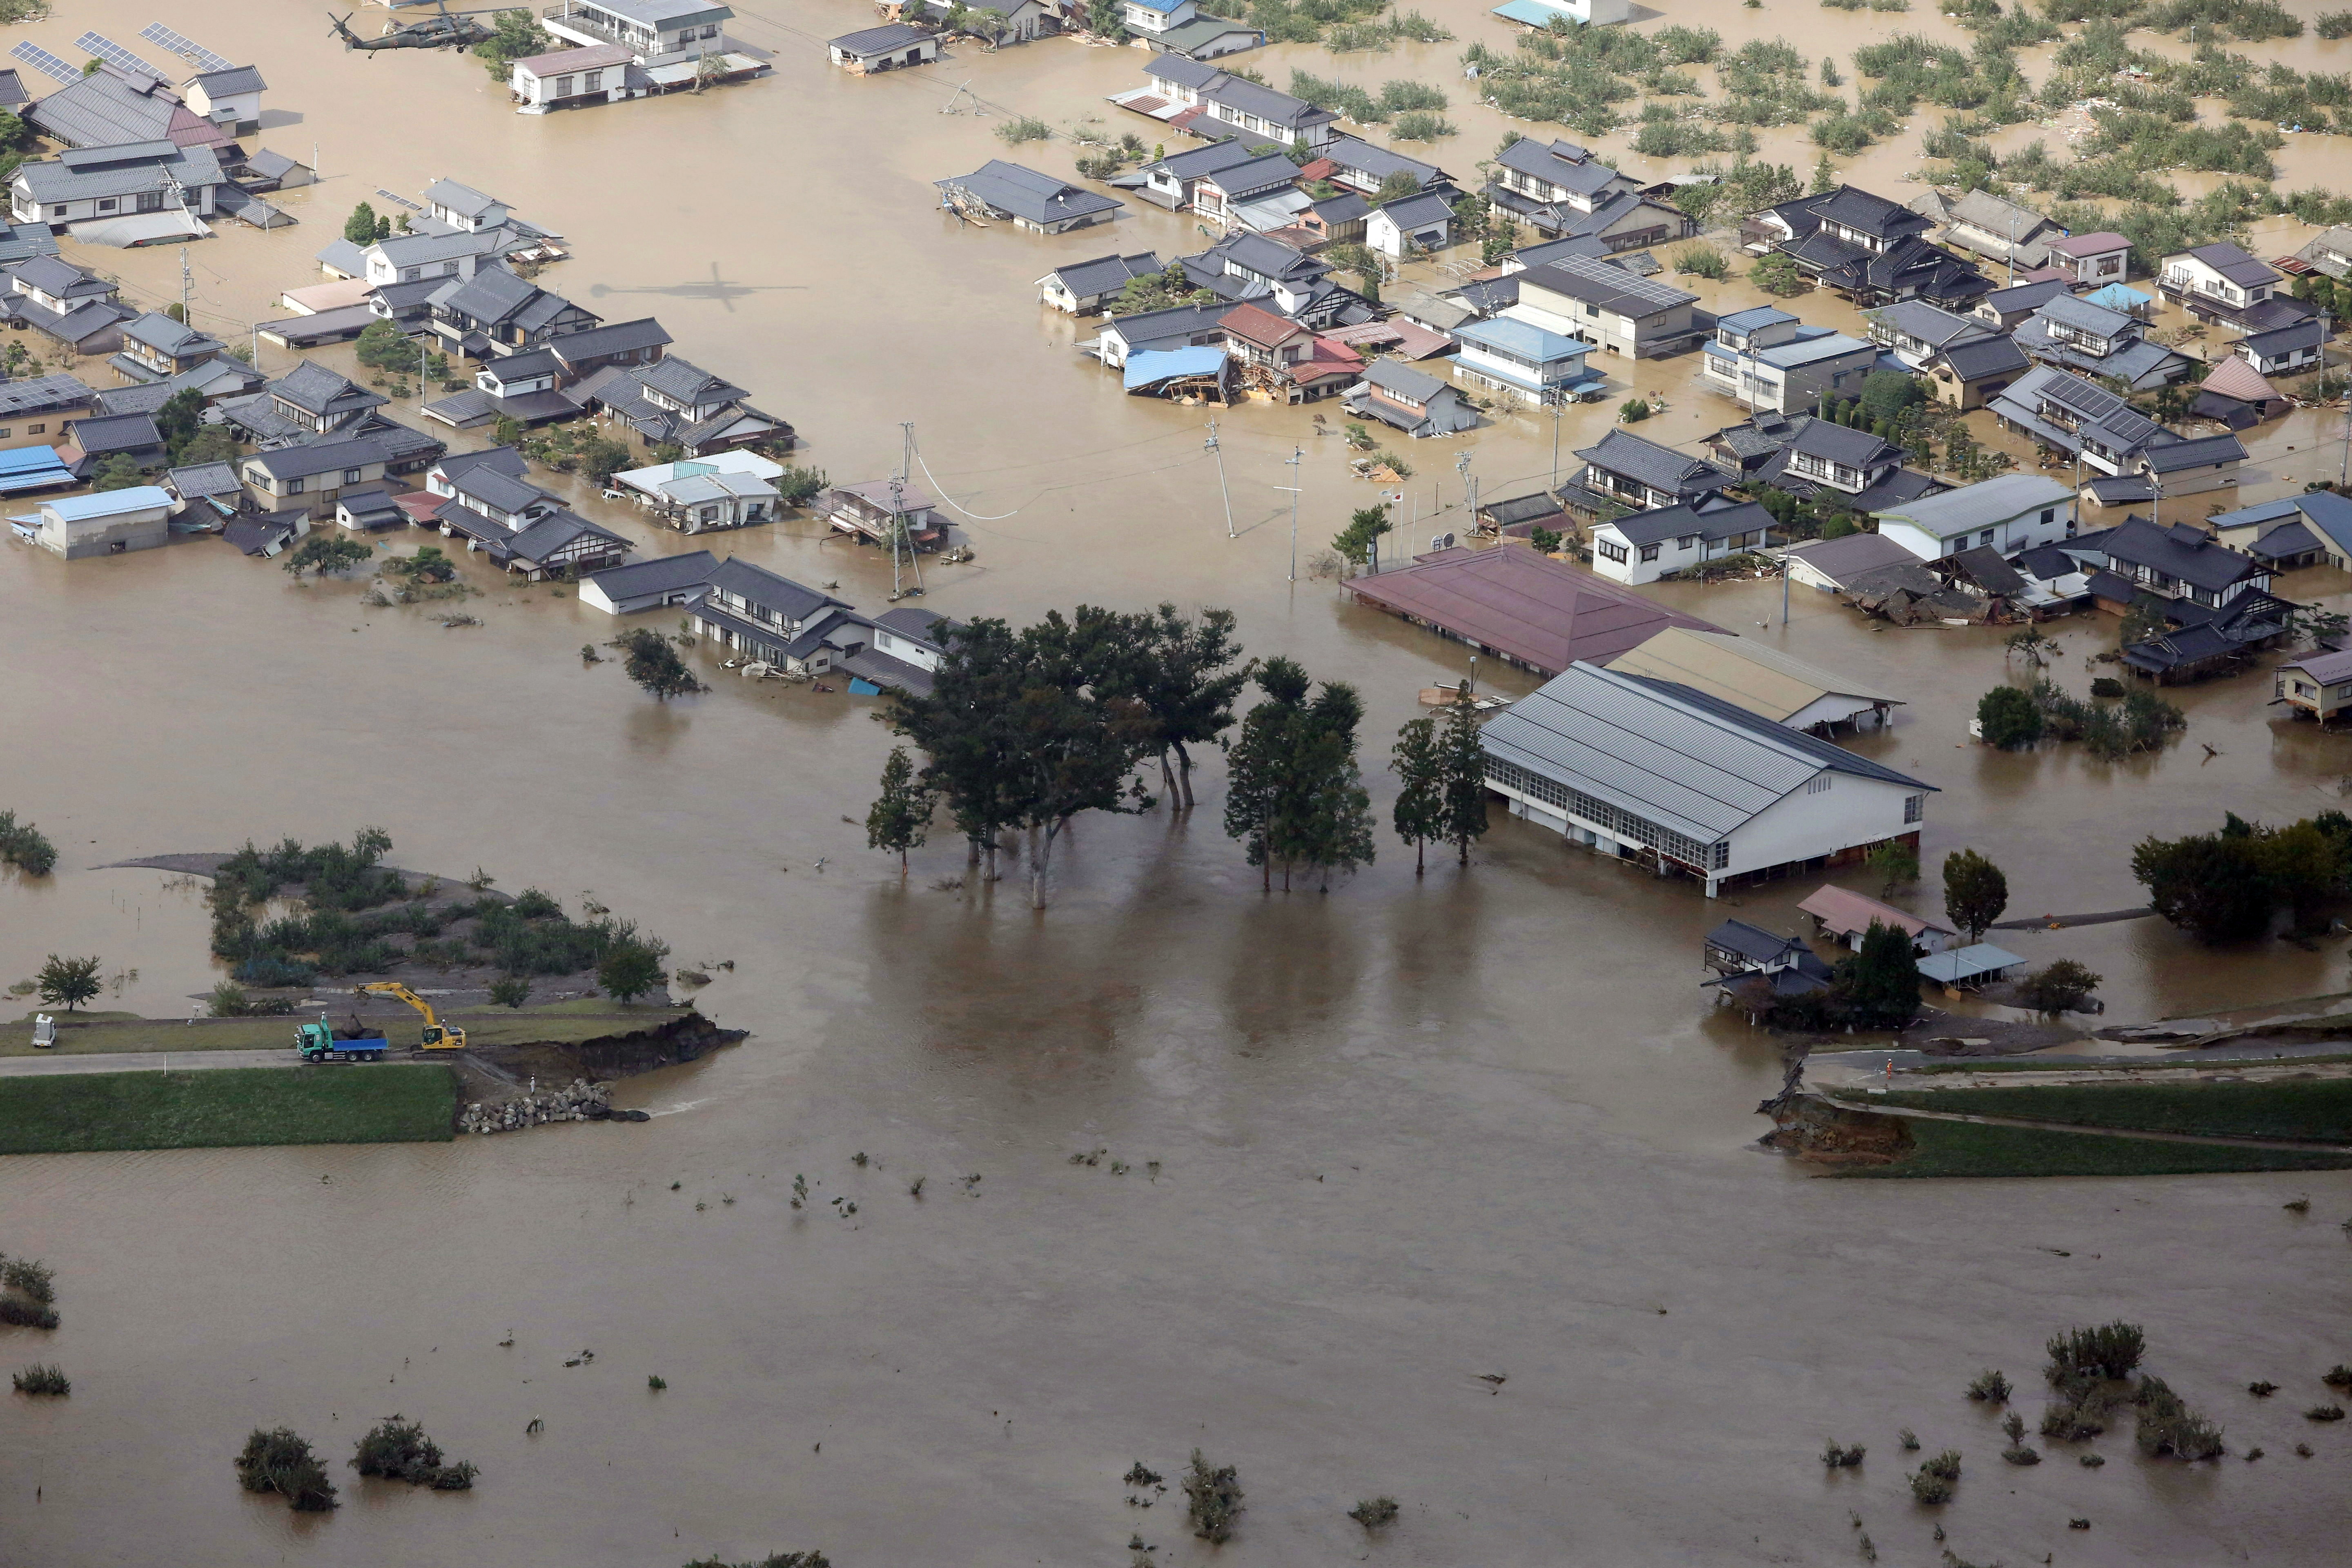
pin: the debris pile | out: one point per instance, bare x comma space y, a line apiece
579, 1101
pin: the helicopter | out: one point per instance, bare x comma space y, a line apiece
445, 30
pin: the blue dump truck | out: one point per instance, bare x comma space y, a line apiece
321, 1043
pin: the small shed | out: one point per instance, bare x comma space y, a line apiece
1846, 915
1963, 966
891, 46
109, 522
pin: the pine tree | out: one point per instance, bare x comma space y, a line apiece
1464, 761
1325, 817
1881, 981
900, 814
1420, 812
1260, 760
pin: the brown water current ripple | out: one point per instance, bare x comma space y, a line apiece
1408, 1133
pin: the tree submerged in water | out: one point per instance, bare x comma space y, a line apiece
396, 1448
279, 1460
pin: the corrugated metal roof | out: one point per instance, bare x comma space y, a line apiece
1683, 763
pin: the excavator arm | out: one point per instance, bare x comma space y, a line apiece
437, 1036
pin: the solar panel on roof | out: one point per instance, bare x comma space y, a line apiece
41, 60
187, 48
114, 54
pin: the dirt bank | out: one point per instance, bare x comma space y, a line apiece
622, 1053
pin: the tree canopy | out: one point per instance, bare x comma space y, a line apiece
68, 983
653, 664
1975, 892
1880, 981
2224, 887
1295, 796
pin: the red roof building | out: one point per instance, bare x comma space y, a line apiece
1526, 609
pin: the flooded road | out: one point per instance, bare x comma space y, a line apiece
1406, 1135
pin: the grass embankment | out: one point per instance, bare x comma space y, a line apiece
2317, 1110
1967, 1148
375, 1103
557, 1023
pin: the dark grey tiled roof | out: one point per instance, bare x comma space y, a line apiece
120, 433
764, 588
615, 337
1660, 468
2179, 551
1980, 357
1679, 522
658, 575
503, 459
203, 479
1027, 194
314, 389
319, 457
1106, 274
1872, 214
2234, 263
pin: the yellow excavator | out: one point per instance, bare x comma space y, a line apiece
438, 1037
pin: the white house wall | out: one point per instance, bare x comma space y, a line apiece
1802, 825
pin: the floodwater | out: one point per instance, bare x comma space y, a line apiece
1406, 1134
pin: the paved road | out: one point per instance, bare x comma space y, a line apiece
144, 1061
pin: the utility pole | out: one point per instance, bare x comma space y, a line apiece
187, 285
1219, 453
1469, 488
1555, 438
898, 517
1296, 456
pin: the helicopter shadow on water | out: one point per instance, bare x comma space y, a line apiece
717, 288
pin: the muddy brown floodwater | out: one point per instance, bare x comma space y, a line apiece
1406, 1134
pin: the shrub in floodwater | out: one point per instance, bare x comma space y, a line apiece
1023, 128
1990, 1388
1909, 1439
2325, 1413
396, 1448
29, 1277
1838, 1458
279, 1461
1928, 1486
2110, 1351
1137, 1476
656, 1383
1212, 1497
2074, 1420
2262, 1390
24, 1314
25, 847
2166, 1424
2338, 1376
1372, 1513
777, 1560
43, 1378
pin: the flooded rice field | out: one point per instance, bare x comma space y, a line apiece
1378, 1146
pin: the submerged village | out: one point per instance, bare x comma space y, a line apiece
1295, 716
